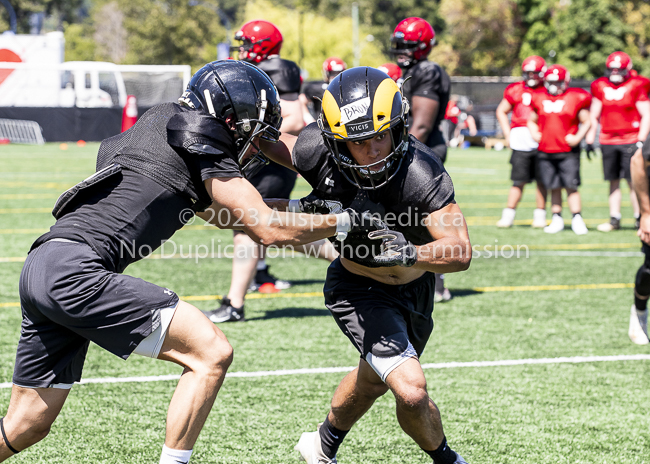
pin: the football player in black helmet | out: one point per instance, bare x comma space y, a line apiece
381, 289
178, 160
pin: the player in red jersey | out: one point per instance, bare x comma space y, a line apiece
558, 122
620, 103
516, 99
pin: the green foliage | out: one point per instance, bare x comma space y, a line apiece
79, 43
64, 10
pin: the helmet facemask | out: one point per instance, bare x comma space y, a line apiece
533, 79
617, 75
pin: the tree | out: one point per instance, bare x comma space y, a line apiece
64, 10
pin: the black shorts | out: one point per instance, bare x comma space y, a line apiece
274, 181
68, 302
524, 166
616, 161
378, 318
645, 248
560, 172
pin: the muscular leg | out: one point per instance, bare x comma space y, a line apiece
540, 196
355, 395
516, 191
556, 201
31, 413
416, 413
615, 198
199, 346
573, 200
244, 262
634, 201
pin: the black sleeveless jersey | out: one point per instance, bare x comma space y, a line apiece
421, 186
285, 74
165, 158
429, 80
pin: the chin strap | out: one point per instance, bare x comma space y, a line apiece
4, 436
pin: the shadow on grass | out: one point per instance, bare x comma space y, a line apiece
291, 313
461, 292
297, 283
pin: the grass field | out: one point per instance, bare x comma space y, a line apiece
564, 296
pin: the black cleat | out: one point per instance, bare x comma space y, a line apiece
262, 276
226, 313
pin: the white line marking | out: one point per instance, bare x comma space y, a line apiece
333, 370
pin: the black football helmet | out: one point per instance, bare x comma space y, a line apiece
358, 104
228, 87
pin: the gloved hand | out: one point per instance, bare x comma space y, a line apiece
395, 249
313, 204
358, 223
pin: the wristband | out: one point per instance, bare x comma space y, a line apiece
294, 206
639, 144
343, 226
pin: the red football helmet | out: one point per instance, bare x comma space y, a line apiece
259, 39
411, 41
392, 70
556, 79
533, 69
332, 67
618, 67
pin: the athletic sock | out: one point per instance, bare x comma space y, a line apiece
443, 455
616, 216
577, 214
261, 264
639, 304
173, 456
331, 438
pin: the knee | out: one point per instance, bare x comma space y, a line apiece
412, 398
27, 433
216, 353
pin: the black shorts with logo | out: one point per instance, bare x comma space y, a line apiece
378, 318
616, 161
524, 166
559, 171
68, 299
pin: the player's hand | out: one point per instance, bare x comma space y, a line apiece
644, 228
312, 204
537, 136
395, 249
590, 151
571, 140
364, 222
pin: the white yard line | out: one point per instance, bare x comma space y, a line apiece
333, 370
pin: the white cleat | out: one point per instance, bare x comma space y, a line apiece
556, 225
638, 332
459, 459
507, 218
310, 449
578, 225
539, 219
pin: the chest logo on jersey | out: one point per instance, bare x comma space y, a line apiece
526, 99
614, 94
355, 110
329, 182
553, 106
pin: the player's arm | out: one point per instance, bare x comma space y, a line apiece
451, 250
594, 111
638, 170
643, 107
238, 205
280, 152
502, 116
585, 122
292, 116
533, 126
306, 115
424, 111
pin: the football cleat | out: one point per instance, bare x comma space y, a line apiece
439, 297
613, 224
507, 218
638, 331
556, 225
459, 459
539, 219
226, 313
310, 449
578, 225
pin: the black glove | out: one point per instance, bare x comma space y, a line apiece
590, 151
312, 204
395, 249
364, 222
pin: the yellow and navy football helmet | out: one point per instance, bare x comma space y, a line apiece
358, 104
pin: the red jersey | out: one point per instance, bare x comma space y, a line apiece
519, 96
452, 112
558, 116
619, 118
